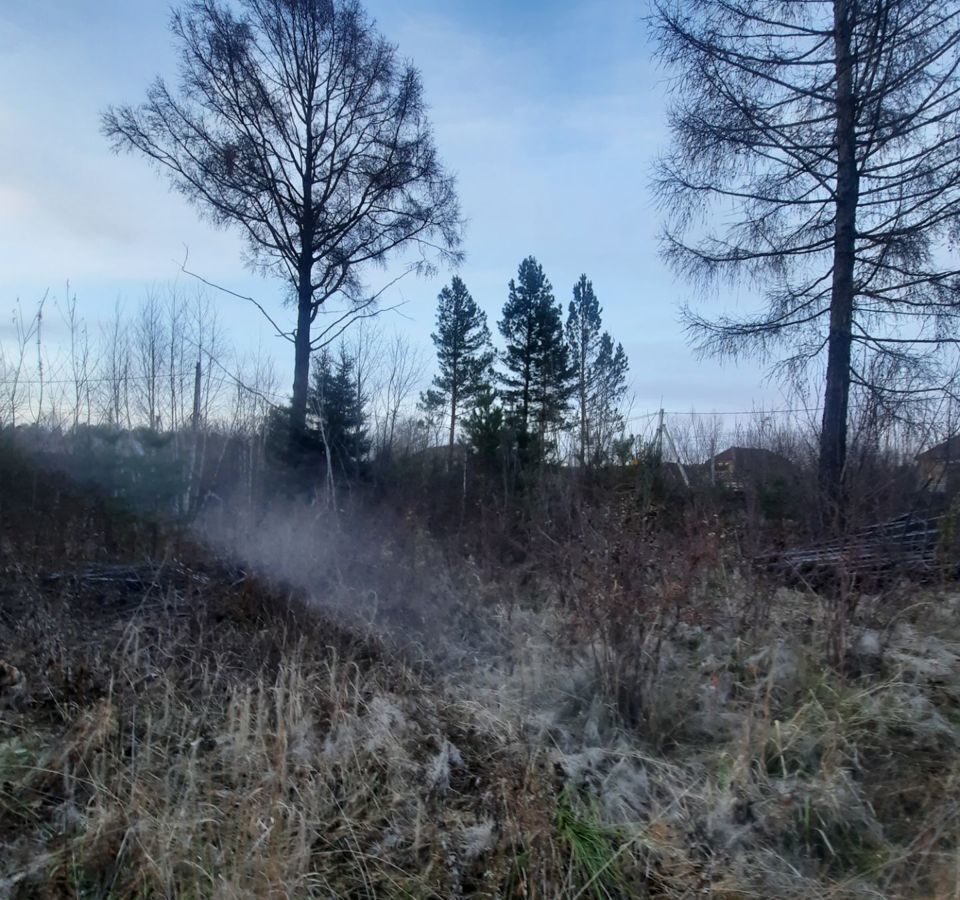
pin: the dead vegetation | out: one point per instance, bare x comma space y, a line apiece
635, 716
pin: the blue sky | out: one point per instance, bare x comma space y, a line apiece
549, 113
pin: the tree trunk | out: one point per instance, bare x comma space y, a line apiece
453, 418
584, 448
301, 344
301, 360
833, 436
193, 481
455, 375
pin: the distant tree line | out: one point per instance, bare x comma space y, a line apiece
156, 407
815, 155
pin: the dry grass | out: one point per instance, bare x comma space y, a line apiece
205, 734
194, 774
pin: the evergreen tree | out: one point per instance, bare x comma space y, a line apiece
464, 352
609, 384
583, 335
484, 428
537, 383
337, 410
433, 406
599, 375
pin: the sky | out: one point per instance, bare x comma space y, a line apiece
550, 114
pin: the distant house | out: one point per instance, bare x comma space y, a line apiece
939, 467
740, 467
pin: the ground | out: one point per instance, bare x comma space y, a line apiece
190, 722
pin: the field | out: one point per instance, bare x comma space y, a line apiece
307, 705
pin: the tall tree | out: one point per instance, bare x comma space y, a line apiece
829, 130
464, 352
295, 122
599, 374
583, 335
608, 385
537, 381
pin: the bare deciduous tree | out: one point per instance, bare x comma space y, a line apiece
81, 361
296, 122
149, 339
18, 381
402, 369
178, 368
115, 377
816, 152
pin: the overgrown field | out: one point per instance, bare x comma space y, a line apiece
308, 706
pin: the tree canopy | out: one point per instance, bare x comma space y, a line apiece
464, 352
537, 381
297, 123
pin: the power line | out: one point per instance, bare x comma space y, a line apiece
267, 398
107, 379
162, 377
762, 412
743, 412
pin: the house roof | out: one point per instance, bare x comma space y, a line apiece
948, 451
751, 456
753, 464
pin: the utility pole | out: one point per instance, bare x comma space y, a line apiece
192, 489
713, 459
195, 418
676, 453
660, 438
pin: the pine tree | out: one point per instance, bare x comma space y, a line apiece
464, 352
599, 375
537, 383
433, 406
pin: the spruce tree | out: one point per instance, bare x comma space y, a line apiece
484, 428
464, 352
337, 411
537, 382
599, 375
